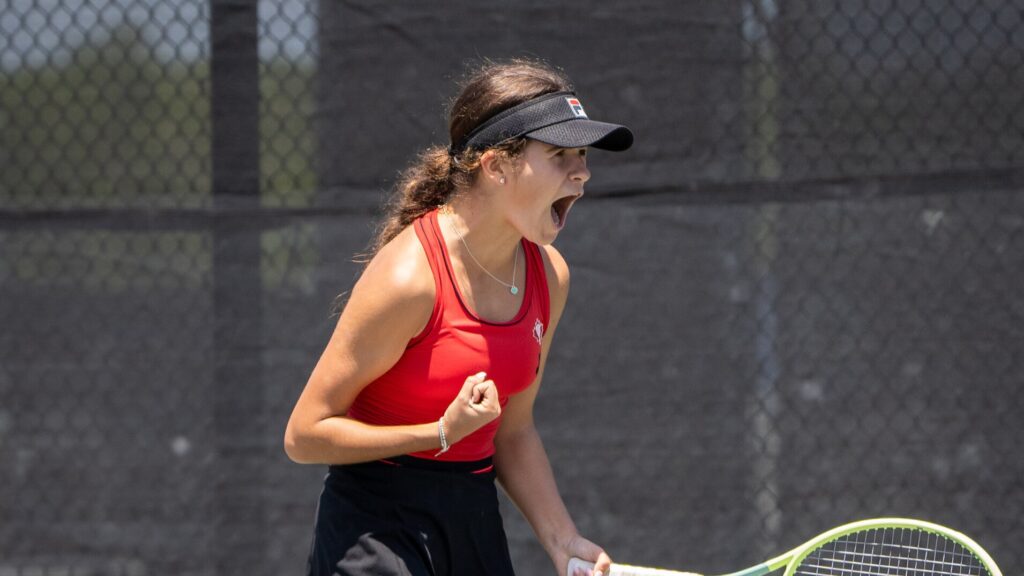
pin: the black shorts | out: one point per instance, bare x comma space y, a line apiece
410, 517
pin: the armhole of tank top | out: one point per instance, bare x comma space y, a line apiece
426, 243
541, 284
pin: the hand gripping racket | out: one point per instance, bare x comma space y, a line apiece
879, 547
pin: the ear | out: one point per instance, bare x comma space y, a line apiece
495, 167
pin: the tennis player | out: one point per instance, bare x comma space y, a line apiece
424, 394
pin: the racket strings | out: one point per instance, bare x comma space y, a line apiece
891, 552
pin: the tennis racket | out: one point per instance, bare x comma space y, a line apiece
879, 547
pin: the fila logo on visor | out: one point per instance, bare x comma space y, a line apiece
577, 108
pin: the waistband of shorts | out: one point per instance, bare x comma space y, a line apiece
461, 467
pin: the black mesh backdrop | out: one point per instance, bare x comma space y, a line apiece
795, 301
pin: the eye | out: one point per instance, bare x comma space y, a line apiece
567, 151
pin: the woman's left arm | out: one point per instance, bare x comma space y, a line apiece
524, 470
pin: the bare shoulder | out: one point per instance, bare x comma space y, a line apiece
402, 263
397, 283
558, 274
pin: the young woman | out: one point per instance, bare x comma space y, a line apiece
424, 394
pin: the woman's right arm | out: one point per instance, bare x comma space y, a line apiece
389, 305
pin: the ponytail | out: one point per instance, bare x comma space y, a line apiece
423, 186
434, 179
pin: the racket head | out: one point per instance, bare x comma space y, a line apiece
891, 547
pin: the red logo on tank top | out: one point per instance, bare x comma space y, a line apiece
538, 331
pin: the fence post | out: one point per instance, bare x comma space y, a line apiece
239, 413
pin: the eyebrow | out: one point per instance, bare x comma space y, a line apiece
552, 147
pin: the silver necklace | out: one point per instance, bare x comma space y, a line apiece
515, 262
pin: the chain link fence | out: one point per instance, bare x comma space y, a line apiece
795, 301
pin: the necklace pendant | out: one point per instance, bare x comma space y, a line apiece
513, 290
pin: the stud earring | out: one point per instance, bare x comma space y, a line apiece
501, 180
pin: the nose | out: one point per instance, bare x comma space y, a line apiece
580, 172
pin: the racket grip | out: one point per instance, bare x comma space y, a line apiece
622, 570
577, 564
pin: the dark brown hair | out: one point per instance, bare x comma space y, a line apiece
436, 176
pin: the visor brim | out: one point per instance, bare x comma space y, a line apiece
581, 133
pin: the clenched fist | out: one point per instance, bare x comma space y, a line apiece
476, 405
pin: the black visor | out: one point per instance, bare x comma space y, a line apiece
557, 119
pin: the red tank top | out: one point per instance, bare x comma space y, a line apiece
454, 345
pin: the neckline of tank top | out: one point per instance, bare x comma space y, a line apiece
528, 279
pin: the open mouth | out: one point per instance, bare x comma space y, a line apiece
560, 209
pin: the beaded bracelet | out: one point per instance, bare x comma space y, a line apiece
444, 440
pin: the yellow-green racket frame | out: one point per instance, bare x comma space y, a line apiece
791, 560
